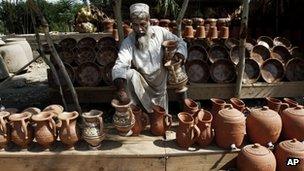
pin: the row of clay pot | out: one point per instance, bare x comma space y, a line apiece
288, 155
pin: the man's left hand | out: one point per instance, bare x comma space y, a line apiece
178, 56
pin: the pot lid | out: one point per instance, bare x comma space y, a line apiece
256, 149
298, 110
264, 112
292, 145
231, 114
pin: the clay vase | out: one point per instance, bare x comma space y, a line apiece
290, 102
187, 132
191, 107
255, 157
141, 120
169, 47
238, 104
160, 121
123, 118
264, 126
32, 110
177, 78
108, 25
4, 129
93, 131
230, 128
56, 109
22, 131
45, 130
217, 105
68, 132
293, 123
289, 149
204, 119
276, 104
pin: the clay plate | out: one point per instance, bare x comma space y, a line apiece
222, 71
282, 41
106, 41
294, 69
68, 43
272, 70
217, 52
89, 74
231, 42
281, 53
260, 53
234, 54
265, 40
197, 52
197, 71
86, 42
251, 72
67, 56
85, 54
106, 55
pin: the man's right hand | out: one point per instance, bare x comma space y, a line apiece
122, 97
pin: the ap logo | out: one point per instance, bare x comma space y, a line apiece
292, 161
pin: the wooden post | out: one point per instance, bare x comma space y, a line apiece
180, 17
117, 12
243, 35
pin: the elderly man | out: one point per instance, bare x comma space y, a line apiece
139, 73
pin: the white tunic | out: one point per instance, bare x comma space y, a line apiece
147, 82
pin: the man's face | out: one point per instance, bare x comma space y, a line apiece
140, 27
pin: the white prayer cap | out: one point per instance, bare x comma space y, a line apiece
139, 8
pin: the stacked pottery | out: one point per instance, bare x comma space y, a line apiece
217, 105
293, 123
123, 118
4, 129
255, 157
276, 104
45, 130
93, 131
204, 119
200, 32
141, 120
230, 127
187, 132
160, 121
288, 150
22, 131
164, 23
177, 78
264, 126
68, 132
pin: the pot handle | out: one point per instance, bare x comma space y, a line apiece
3, 126
169, 123
24, 128
100, 124
145, 119
283, 107
197, 132
53, 126
68, 128
211, 132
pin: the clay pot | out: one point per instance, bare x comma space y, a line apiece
289, 149
217, 52
191, 107
224, 32
141, 120
154, 22
200, 32
32, 110
251, 72
177, 78
206, 136
265, 121
56, 109
294, 69
281, 41
276, 104
255, 157
265, 41
24, 44
293, 123
4, 129
260, 53
211, 21
164, 23
188, 32
212, 32
290, 102
235, 54
197, 22
217, 105
68, 132
187, 22
272, 70
22, 132
68, 44
45, 130
222, 22
108, 25
160, 121
14, 57
238, 104
93, 130
123, 118
230, 127
169, 47
89, 74
281, 53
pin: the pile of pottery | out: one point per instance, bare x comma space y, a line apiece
88, 63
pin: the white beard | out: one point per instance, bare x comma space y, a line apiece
142, 42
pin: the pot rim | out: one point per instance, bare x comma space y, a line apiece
43, 116
68, 115
92, 114
187, 116
20, 116
49, 107
4, 114
116, 104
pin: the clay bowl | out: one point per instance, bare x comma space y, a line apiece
235, 54
197, 71
164, 23
265, 41
106, 55
198, 22
260, 53
107, 73
296, 52
223, 71
272, 70
68, 56
89, 74
217, 52
105, 42
197, 52
281, 53
211, 21
251, 72
154, 22
294, 69
85, 54
68, 43
86, 42
282, 41
231, 42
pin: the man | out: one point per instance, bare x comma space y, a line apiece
146, 84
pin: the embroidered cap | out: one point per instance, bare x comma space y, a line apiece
139, 8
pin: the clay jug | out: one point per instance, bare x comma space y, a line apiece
264, 126
56, 109
255, 157
230, 127
22, 131
289, 149
123, 118
4, 129
169, 47
141, 120
93, 131
290, 102
160, 121
177, 77
293, 123
32, 110
45, 130
187, 132
24, 44
68, 132
238, 104
191, 107
217, 105
276, 104
204, 119
14, 57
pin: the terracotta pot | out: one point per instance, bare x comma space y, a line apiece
93, 130
32, 110
108, 25
272, 70
197, 22
164, 23
281, 53
123, 118
187, 132
188, 32
222, 22
238, 104
266, 121
55, 108
200, 32
177, 78
260, 53
187, 22
206, 136
211, 21
290, 102
169, 49
289, 149
160, 121
265, 41
294, 69
45, 130
24, 44
191, 107
255, 157
154, 22
14, 57
212, 32
224, 32
293, 123
217, 105
276, 104
4, 129
68, 132
230, 128
141, 120
282, 41
22, 132
251, 72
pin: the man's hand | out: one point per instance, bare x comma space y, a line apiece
122, 97
121, 94
177, 56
